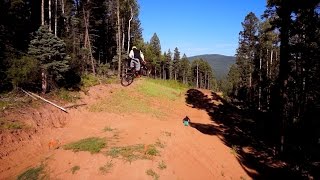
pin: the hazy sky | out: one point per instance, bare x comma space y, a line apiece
197, 26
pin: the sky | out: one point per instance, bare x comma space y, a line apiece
197, 27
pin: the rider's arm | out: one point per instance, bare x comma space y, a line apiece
142, 56
131, 54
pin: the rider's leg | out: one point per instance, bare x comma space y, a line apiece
132, 62
138, 66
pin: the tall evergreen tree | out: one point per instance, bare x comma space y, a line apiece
247, 54
50, 51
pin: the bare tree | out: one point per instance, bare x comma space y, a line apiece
49, 6
42, 12
55, 17
87, 42
119, 38
129, 29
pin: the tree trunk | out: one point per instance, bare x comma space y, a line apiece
284, 14
260, 82
42, 12
49, 6
270, 79
129, 31
63, 14
44, 80
197, 76
119, 38
55, 17
87, 43
163, 72
123, 36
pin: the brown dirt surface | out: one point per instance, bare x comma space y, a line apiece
185, 152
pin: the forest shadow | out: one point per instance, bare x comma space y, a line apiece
250, 138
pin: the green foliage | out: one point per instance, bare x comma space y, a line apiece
133, 152
89, 80
164, 89
10, 125
92, 144
153, 174
69, 96
152, 150
107, 128
155, 45
128, 153
159, 144
103, 69
230, 84
162, 165
50, 51
106, 168
219, 63
124, 102
4, 104
31, 174
205, 73
24, 71
74, 169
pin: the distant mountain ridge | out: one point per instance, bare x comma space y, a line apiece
219, 63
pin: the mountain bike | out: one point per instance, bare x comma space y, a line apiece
130, 74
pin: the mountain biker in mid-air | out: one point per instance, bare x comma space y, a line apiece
137, 58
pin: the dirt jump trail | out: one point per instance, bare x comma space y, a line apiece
144, 139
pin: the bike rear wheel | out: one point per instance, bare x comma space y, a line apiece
127, 79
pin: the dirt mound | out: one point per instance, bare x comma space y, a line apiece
179, 152
37, 125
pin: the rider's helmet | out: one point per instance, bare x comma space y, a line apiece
134, 47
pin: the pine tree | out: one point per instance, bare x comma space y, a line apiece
156, 51
50, 51
184, 68
247, 54
176, 63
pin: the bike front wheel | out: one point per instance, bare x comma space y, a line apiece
127, 79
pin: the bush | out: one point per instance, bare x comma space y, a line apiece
89, 80
24, 71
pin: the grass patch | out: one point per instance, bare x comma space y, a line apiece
133, 152
162, 165
168, 134
128, 153
69, 96
10, 125
4, 104
89, 80
106, 168
112, 80
170, 84
122, 102
164, 89
152, 150
242, 178
159, 144
14, 99
32, 174
107, 128
234, 150
153, 174
92, 144
74, 169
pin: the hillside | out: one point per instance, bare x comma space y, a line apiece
137, 130
219, 63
